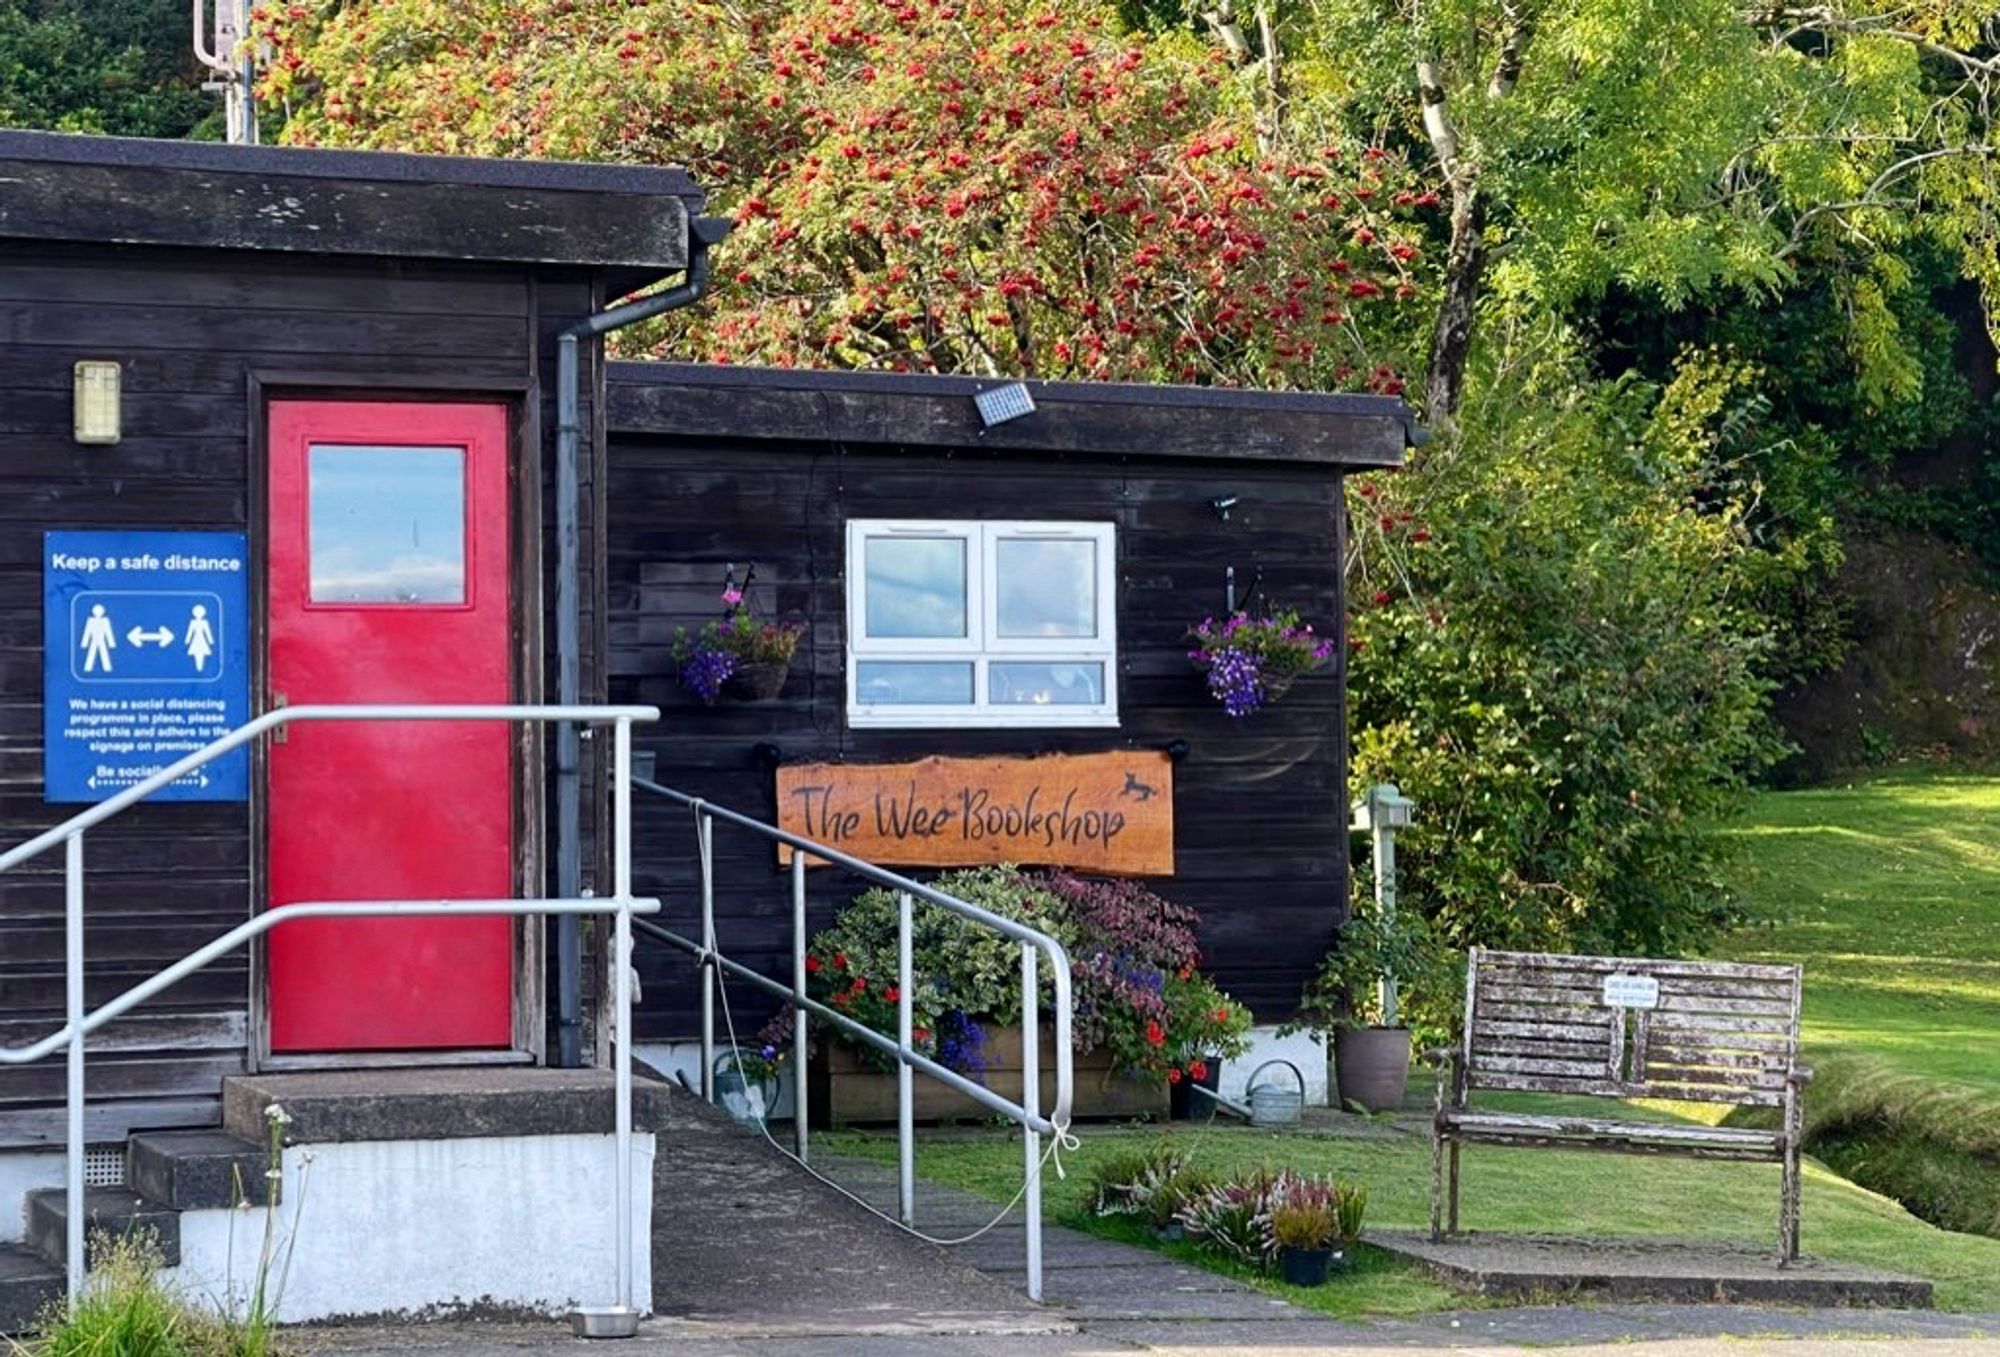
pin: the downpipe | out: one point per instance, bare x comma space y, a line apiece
703, 232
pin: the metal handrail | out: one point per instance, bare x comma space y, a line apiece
1034, 1124
621, 904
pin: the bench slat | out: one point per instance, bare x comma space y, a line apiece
1702, 1027
1659, 1056
1671, 1002
1666, 1132
1501, 1081
1598, 1051
1573, 1014
1595, 1033
1596, 965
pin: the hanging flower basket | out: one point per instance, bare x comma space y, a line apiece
739, 654
1250, 661
757, 680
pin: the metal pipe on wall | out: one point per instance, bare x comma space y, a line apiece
702, 233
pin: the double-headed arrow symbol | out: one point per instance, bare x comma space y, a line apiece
162, 638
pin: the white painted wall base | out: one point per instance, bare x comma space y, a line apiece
430, 1228
676, 1058
1307, 1050
22, 1172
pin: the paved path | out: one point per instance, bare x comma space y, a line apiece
753, 1258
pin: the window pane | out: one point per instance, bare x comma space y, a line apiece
1046, 588
915, 586
386, 525
891, 683
1046, 685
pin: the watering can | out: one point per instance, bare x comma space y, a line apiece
1272, 1104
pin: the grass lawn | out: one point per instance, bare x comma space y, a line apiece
1545, 1191
1888, 890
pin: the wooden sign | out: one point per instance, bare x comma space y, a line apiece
1111, 813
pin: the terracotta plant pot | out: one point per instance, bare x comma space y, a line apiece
759, 682
1372, 1066
1184, 1104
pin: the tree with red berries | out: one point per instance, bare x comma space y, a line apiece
1000, 186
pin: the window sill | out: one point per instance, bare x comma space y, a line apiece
1038, 718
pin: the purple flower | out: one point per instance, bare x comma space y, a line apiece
706, 671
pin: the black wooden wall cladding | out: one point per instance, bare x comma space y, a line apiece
1261, 842
190, 328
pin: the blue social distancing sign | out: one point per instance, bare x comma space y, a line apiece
146, 659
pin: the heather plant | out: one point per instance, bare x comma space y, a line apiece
1303, 1225
1234, 1218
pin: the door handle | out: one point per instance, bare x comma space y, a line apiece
280, 734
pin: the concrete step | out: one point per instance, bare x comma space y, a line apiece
28, 1287
196, 1170
112, 1211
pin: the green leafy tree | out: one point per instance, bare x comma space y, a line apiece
116, 66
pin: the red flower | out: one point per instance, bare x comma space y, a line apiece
1154, 1035
840, 961
812, 965
1187, 971
1198, 1071
1222, 1015
892, 994
920, 1034
1383, 597
1173, 1076
860, 985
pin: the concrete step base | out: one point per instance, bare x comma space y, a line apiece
29, 1286
108, 1212
197, 1170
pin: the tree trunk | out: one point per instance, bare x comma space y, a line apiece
1451, 336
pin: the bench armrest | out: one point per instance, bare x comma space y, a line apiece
1441, 1057
1800, 1075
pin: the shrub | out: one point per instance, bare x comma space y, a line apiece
967, 977
1558, 657
1132, 960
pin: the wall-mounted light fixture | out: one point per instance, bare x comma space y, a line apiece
96, 406
1003, 403
1222, 506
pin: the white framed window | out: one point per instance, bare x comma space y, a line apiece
965, 623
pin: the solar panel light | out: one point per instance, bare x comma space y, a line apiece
1003, 403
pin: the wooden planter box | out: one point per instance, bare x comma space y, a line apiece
844, 1090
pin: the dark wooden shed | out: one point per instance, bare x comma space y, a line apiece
713, 467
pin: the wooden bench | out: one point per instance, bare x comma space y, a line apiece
1619, 1027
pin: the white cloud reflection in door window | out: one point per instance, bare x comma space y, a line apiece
386, 525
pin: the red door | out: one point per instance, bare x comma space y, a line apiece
388, 578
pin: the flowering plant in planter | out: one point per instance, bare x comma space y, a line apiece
719, 651
1132, 957
1252, 660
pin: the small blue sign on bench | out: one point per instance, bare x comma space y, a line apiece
146, 659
